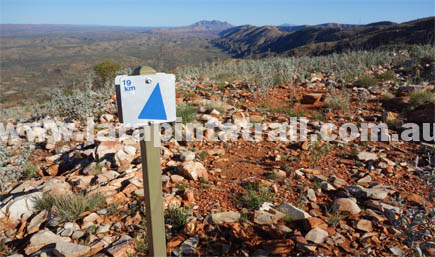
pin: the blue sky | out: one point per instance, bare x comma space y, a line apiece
237, 12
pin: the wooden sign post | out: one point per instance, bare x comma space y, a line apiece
152, 179
146, 99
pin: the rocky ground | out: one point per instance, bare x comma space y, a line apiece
233, 198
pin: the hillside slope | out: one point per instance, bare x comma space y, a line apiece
251, 41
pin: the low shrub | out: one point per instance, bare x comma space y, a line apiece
254, 195
106, 70
177, 217
418, 98
69, 207
187, 112
388, 75
366, 81
338, 102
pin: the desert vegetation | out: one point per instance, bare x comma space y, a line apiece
233, 197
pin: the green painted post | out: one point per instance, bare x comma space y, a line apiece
152, 179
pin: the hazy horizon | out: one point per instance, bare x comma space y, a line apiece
172, 13
182, 25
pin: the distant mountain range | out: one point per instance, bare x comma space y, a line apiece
213, 26
252, 41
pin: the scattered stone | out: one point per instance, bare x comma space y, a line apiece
263, 218
279, 173
338, 182
415, 198
139, 192
314, 222
376, 216
77, 234
66, 232
117, 226
36, 222
121, 247
345, 205
376, 193
397, 251
193, 170
176, 179
187, 156
327, 187
103, 229
240, 119
216, 151
108, 147
367, 156
319, 178
293, 213
311, 195
125, 156
382, 206
365, 180
102, 211
269, 217
92, 218
311, 171
106, 117
57, 186
316, 235
91, 169
284, 228
22, 206
41, 239
298, 174
389, 162
364, 225
225, 217
189, 245
65, 249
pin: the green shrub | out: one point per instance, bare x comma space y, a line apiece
318, 151
141, 244
106, 70
177, 217
387, 96
418, 98
334, 219
254, 195
218, 106
203, 155
188, 95
366, 81
187, 112
69, 207
388, 75
30, 171
319, 116
3, 155
338, 102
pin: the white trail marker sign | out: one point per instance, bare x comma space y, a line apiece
148, 99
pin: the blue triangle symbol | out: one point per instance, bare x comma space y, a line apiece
154, 108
